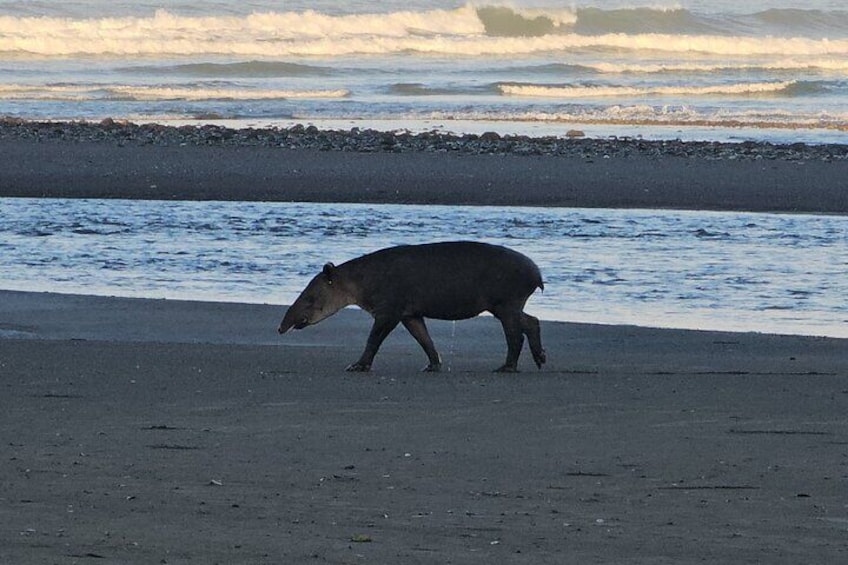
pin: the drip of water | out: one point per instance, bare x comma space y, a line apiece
451, 346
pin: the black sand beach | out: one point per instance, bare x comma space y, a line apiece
151, 431
143, 431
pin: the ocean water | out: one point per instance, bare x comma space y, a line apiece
698, 69
703, 270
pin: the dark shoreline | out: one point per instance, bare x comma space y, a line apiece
123, 160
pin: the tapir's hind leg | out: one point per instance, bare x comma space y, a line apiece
418, 329
512, 327
530, 327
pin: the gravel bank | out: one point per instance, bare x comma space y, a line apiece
303, 164
369, 141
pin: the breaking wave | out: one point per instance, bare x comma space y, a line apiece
586, 91
652, 116
468, 30
508, 22
678, 67
69, 92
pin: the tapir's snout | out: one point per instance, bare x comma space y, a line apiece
287, 324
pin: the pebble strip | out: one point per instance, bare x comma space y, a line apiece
368, 140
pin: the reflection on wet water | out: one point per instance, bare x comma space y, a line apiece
734, 271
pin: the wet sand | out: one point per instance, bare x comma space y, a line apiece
151, 431
577, 173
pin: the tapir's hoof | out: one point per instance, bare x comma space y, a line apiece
507, 369
540, 358
432, 368
358, 368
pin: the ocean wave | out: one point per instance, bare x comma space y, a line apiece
63, 92
245, 69
149, 93
596, 21
468, 30
679, 67
654, 115
470, 46
596, 91
800, 21
166, 32
419, 89
509, 22
683, 66
783, 22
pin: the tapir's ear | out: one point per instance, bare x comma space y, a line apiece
329, 272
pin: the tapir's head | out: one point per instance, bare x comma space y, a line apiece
325, 295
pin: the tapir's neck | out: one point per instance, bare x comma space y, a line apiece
352, 277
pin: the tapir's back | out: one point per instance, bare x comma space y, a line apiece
450, 280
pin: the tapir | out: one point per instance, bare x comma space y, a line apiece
408, 283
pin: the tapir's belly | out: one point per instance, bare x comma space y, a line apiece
448, 312
446, 305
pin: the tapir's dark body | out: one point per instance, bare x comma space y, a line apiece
448, 281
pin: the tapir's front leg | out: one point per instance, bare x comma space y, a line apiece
382, 327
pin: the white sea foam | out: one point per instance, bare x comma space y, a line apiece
461, 31
151, 93
266, 33
171, 93
788, 64
649, 115
590, 91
